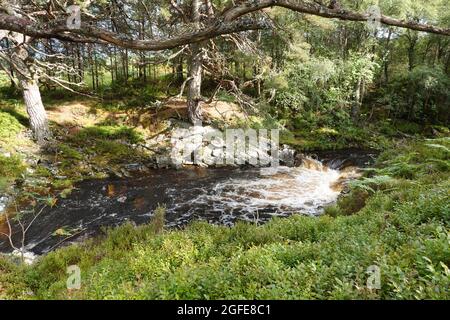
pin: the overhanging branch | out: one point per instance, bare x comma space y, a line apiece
232, 20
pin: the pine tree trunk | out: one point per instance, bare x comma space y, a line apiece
195, 71
195, 84
36, 111
28, 82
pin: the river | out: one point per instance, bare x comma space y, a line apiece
217, 195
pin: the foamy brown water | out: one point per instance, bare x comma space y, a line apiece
267, 192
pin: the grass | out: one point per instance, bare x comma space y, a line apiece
11, 165
331, 139
374, 135
108, 133
104, 145
11, 168
401, 225
11, 123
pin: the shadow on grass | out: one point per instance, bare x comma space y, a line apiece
23, 120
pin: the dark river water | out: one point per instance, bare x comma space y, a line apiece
220, 195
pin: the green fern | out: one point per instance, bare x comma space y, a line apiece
438, 146
373, 183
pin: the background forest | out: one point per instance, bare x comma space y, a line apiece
303, 71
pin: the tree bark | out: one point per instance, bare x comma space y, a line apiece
36, 111
28, 82
195, 71
195, 84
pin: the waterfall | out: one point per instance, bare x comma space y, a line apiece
304, 189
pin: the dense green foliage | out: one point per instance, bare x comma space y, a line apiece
421, 95
338, 75
401, 226
320, 91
